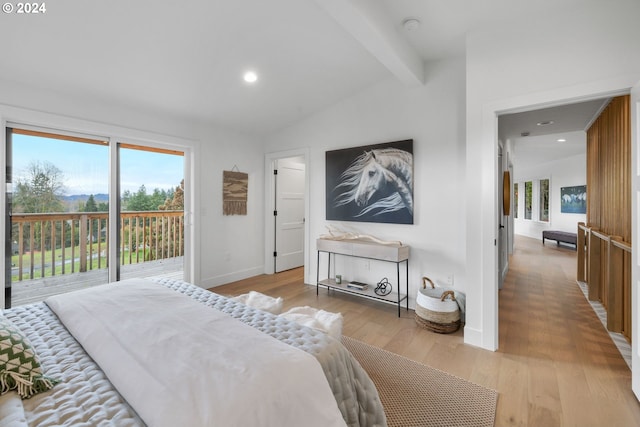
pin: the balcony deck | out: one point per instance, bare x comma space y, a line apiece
36, 290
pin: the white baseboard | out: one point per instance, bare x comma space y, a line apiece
473, 337
222, 279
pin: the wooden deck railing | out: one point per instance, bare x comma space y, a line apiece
60, 243
604, 263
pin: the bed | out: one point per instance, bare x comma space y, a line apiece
117, 377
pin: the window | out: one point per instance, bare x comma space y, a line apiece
535, 199
544, 200
528, 199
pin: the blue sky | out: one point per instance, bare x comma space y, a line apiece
85, 166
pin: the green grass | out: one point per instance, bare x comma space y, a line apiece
48, 272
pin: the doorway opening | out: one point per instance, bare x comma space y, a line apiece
56, 213
286, 210
67, 226
151, 212
547, 150
289, 183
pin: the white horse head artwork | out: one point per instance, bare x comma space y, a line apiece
378, 181
573, 199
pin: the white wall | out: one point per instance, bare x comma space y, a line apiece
433, 116
225, 248
533, 63
231, 246
82, 108
565, 172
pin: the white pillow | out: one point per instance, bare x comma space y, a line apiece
261, 302
325, 321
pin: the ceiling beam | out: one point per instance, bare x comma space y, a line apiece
367, 21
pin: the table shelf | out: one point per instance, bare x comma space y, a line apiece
397, 254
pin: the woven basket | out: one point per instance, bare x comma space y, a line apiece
436, 312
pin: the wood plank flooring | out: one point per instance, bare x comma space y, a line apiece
556, 365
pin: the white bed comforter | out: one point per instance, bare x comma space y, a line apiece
179, 363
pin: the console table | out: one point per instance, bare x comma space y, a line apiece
393, 253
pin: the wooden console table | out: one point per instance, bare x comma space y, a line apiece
397, 254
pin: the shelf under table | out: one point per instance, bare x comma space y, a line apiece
392, 254
369, 292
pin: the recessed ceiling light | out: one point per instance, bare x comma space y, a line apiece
545, 123
411, 24
250, 77
562, 140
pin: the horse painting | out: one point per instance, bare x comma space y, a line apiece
378, 183
573, 199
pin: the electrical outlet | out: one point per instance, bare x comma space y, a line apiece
367, 265
450, 279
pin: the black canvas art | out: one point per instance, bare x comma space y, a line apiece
372, 183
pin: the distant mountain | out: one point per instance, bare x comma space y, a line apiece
73, 201
99, 198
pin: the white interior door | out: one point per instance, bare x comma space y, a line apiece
289, 214
635, 255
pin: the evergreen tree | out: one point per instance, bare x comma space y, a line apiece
157, 199
90, 205
138, 201
141, 201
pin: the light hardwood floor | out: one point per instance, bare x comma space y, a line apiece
556, 365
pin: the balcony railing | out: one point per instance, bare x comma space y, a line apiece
61, 243
604, 264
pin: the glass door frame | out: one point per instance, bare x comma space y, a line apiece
114, 201
19, 117
115, 208
12, 128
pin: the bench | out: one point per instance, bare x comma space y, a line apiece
560, 237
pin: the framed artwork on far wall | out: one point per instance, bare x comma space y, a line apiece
371, 183
573, 199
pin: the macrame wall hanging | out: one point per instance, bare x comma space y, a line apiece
235, 185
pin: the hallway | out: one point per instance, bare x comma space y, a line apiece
576, 374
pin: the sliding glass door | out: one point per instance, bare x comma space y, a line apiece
151, 212
65, 230
56, 215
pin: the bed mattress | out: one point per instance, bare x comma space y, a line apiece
85, 397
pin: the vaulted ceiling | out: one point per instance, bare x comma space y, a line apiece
187, 58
